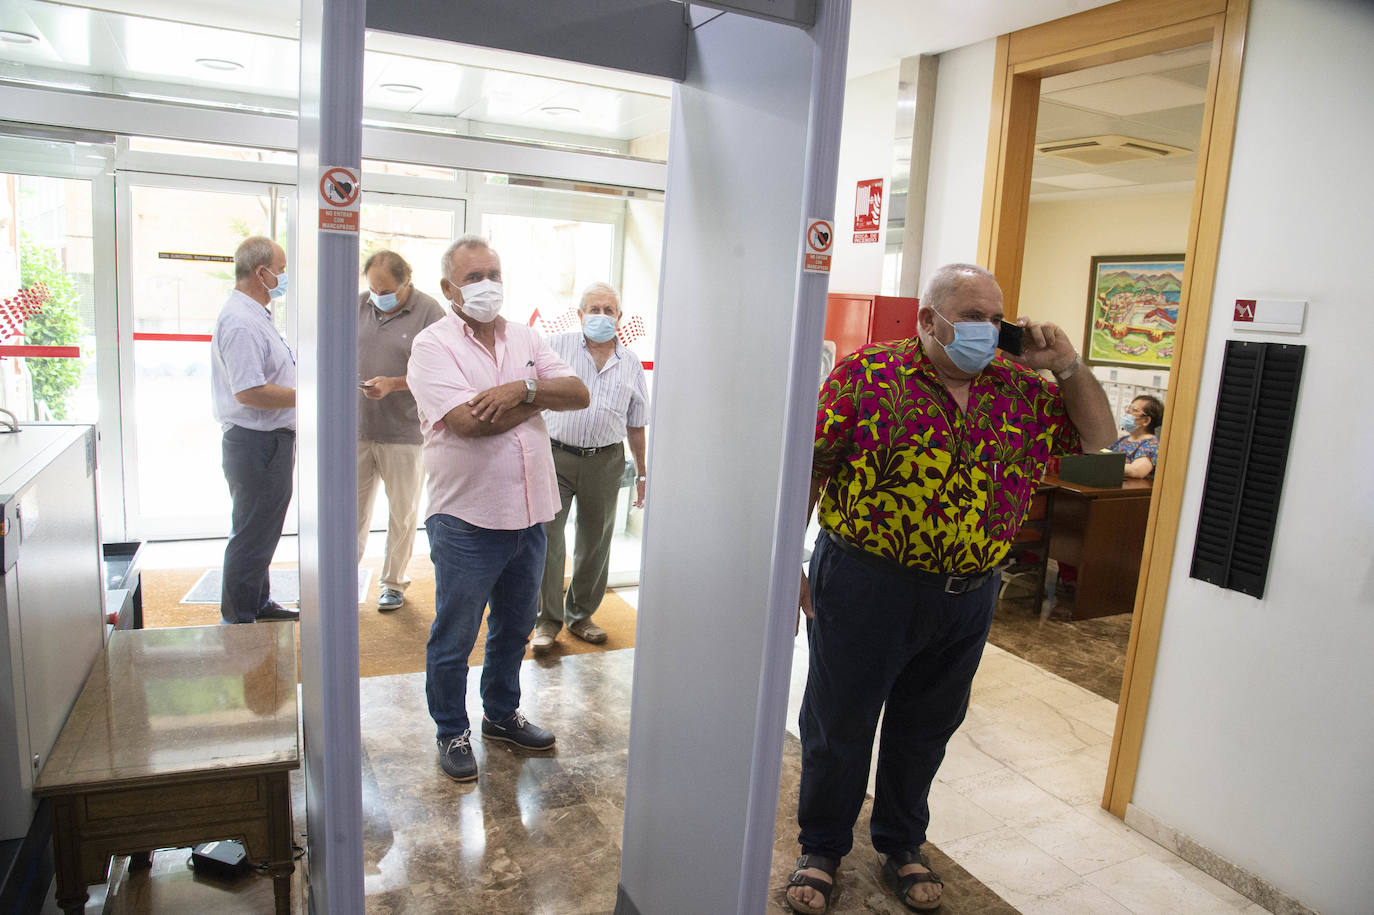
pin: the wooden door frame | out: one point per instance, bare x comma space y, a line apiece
1131, 28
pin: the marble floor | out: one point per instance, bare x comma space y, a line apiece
1090, 652
1015, 813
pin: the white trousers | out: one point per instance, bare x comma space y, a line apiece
401, 470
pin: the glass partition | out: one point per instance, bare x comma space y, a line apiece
47, 299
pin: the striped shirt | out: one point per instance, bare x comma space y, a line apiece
620, 397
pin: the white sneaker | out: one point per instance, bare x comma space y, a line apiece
544, 635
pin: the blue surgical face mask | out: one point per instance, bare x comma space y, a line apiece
387, 302
598, 328
1127, 422
973, 346
279, 290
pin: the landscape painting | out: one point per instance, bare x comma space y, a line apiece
1133, 310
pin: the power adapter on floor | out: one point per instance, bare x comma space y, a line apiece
225, 860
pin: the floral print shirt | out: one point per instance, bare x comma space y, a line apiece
909, 477
1147, 447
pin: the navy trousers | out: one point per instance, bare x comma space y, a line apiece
257, 466
881, 642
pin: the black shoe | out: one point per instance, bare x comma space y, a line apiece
456, 759
518, 731
390, 599
275, 611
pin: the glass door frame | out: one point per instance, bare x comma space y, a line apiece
456, 205
124, 181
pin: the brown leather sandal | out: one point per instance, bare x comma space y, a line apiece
901, 885
820, 863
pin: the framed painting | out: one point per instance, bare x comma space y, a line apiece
1133, 310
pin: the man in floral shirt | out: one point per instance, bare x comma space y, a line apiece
928, 452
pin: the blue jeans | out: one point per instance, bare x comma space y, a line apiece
475, 567
881, 642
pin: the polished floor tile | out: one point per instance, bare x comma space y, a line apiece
1088, 653
1016, 822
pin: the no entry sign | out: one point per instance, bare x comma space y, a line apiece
339, 197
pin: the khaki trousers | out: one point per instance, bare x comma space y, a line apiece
402, 471
594, 481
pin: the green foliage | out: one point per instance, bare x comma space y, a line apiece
59, 324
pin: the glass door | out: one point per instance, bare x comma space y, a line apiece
177, 238
47, 299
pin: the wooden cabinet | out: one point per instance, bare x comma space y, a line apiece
853, 320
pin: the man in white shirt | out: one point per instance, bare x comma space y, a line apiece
589, 455
253, 389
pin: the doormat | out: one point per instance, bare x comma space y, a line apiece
286, 586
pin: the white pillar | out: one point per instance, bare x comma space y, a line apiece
753, 153
325, 276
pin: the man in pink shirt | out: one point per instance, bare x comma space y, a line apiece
481, 385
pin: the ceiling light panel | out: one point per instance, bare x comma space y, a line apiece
69, 37
1084, 180
169, 51
1132, 95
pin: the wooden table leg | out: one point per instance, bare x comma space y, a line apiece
66, 844
281, 855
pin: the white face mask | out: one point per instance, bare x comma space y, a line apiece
482, 300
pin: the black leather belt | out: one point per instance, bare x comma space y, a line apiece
582, 452
949, 584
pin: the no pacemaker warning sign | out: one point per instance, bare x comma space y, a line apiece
339, 197
820, 241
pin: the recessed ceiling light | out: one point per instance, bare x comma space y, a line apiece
559, 111
402, 88
219, 63
17, 37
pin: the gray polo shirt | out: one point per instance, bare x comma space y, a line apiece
247, 352
384, 340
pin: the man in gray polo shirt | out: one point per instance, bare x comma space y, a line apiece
589, 456
253, 389
391, 313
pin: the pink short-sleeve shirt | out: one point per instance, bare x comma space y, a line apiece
499, 482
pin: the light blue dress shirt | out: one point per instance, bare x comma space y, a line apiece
246, 352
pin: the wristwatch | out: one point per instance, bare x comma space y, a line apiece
1068, 371
529, 390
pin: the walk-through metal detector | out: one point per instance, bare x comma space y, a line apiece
752, 162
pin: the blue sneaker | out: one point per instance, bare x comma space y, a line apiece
456, 759
517, 730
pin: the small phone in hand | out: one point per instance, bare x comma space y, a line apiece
1009, 338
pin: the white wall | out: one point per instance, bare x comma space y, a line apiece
1259, 741
870, 121
1063, 236
958, 154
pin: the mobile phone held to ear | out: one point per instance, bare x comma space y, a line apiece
1009, 339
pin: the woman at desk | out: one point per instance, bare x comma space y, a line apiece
1140, 444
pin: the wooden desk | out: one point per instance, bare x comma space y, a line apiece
180, 736
1101, 531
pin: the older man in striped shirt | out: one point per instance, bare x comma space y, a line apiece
589, 456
